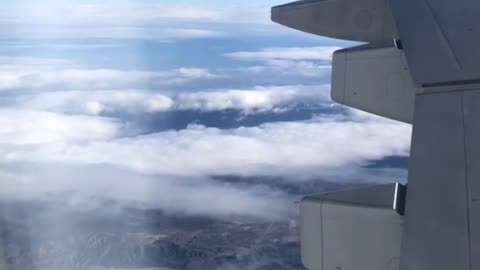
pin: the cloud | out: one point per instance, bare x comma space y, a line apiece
257, 99
293, 149
46, 155
288, 53
24, 127
97, 102
84, 185
44, 74
17, 73
84, 188
289, 68
304, 61
55, 143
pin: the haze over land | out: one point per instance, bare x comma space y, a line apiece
153, 134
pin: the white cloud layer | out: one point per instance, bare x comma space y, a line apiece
305, 61
258, 99
85, 187
287, 53
279, 149
20, 73
44, 154
54, 142
26, 127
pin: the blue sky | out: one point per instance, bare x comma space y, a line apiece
144, 101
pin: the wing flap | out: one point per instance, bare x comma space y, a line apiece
375, 79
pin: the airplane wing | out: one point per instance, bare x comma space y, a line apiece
441, 39
359, 20
421, 65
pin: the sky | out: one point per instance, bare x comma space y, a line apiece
150, 103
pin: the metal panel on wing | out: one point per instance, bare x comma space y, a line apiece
375, 79
441, 39
357, 229
436, 220
471, 110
